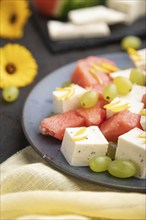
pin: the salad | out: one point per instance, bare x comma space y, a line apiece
100, 108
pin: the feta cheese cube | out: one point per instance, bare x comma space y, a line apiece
136, 93
96, 14
119, 104
142, 63
143, 119
66, 30
132, 146
133, 9
125, 73
68, 98
138, 57
80, 144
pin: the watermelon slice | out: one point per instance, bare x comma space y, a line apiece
47, 7
55, 125
60, 8
89, 73
102, 102
93, 116
119, 124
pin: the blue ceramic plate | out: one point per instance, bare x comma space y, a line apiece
39, 105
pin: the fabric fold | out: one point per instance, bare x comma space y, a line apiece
32, 189
110, 205
26, 170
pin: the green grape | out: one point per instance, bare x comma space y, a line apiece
66, 83
122, 168
124, 85
10, 94
131, 42
99, 163
137, 76
110, 92
89, 99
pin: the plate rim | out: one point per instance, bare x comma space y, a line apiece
65, 171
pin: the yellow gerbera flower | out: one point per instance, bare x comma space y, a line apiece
17, 66
13, 16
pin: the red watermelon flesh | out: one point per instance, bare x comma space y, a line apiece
46, 7
119, 124
55, 125
60, 8
101, 101
93, 116
84, 78
144, 100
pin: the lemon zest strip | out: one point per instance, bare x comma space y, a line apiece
143, 112
119, 108
69, 93
142, 136
65, 88
81, 131
110, 67
72, 84
79, 138
132, 51
94, 74
111, 104
61, 89
101, 69
134, 54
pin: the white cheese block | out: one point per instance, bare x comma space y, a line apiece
96, 14
132, 146
142, 53
142, 64
136, 93
119, 104
123, 72
66, 30
68, 98
143, 122
79, 148
133, 9
143, 119
141, 61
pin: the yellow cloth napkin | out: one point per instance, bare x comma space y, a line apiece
31, 189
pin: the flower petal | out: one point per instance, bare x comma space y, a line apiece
14, 15
23, 61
